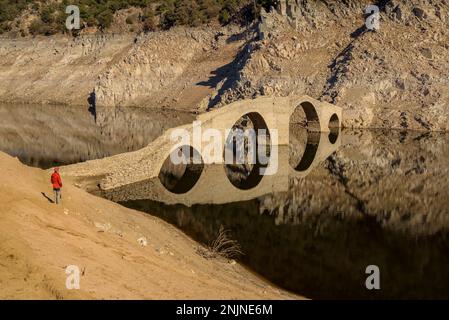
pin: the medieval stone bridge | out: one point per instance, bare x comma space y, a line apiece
137, 175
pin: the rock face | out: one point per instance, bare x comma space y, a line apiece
159, 69
396, 178
395, 77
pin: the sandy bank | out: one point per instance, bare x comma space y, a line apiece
39, 239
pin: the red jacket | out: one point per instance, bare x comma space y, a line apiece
56, 181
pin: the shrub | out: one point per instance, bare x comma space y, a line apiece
131, 19
224, 16
47, 14
105, 19
99, 13
37, 27
222, 246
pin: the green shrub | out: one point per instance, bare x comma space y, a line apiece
47, 14
105, 18
99, 13
224, 16
37, 27
11, 9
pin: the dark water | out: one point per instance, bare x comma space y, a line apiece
49, 135
380, 199
323, 257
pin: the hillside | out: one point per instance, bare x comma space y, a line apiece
395, 77
37, 17
174, 69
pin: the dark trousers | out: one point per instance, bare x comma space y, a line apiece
57, 195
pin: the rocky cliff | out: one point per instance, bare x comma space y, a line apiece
160, 69
395, 77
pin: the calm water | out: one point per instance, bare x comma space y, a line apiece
46, 135
381, 198
373, 198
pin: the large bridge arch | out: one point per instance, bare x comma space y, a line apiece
245, 176
311, 115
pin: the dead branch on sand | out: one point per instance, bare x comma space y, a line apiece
222, 246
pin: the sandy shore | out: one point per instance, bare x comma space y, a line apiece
39, 239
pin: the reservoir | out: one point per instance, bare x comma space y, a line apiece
379, 198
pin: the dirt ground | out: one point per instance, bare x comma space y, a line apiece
39, 239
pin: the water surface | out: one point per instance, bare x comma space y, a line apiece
48, 135
377, 198
380, 199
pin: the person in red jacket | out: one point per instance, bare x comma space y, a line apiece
57, 184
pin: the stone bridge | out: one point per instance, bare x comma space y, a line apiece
212, 185
137, 175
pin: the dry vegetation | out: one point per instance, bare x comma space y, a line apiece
222, 246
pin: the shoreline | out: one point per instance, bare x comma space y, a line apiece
39, 239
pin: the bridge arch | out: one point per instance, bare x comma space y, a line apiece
334, 121
181, 178
334, 128
311, 115
245, 176
310, 152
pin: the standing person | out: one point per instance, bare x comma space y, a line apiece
57, 184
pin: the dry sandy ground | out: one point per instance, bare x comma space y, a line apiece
38, 240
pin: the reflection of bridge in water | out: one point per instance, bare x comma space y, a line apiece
208, 181
211, 185
140, 175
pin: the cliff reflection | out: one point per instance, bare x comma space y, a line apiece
380, 199
48, 135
